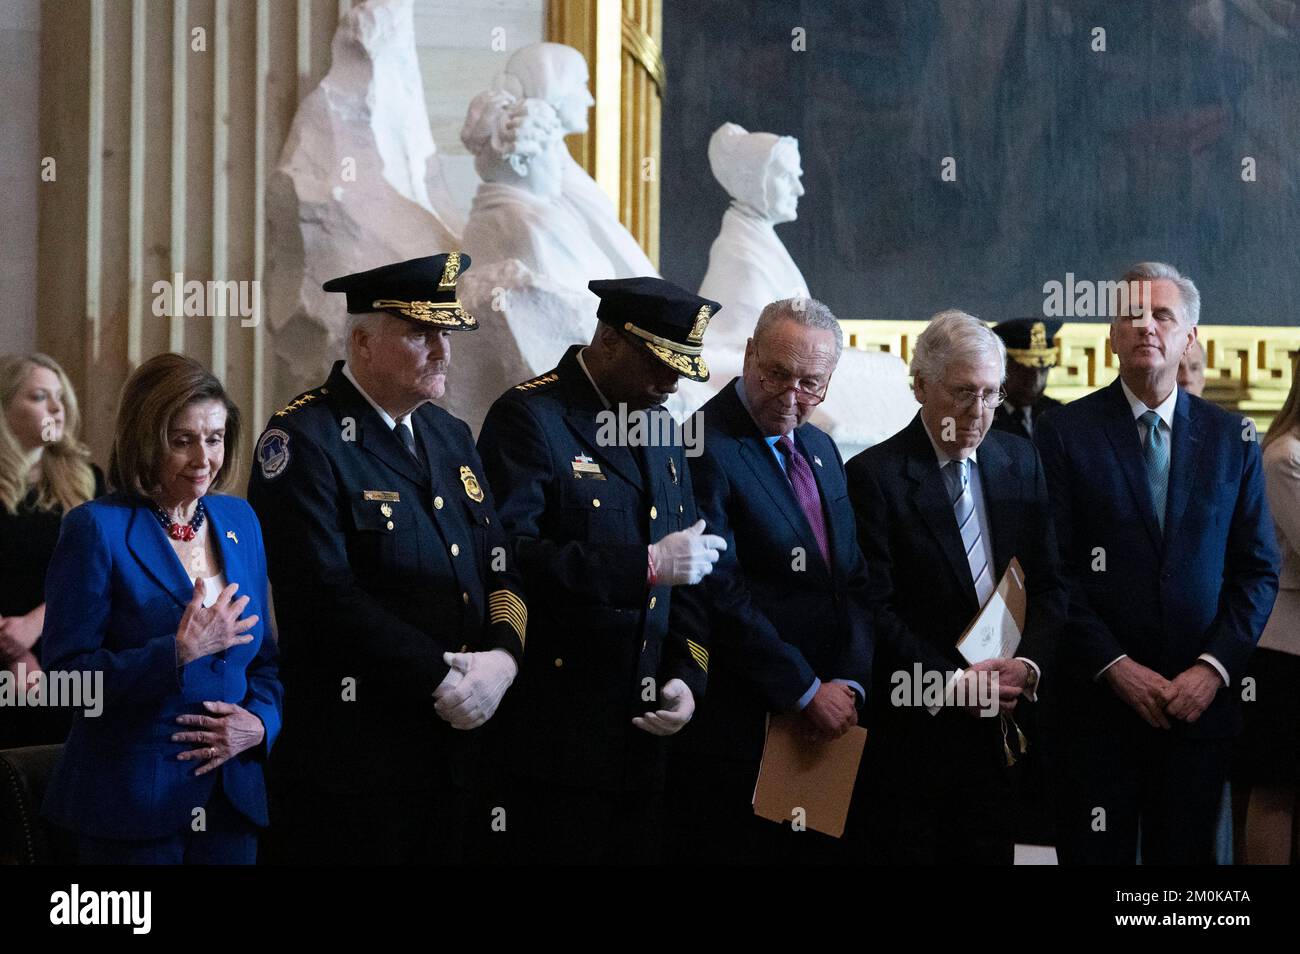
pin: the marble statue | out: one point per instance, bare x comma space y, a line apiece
517, 212
749, 266
358, 184
557, 74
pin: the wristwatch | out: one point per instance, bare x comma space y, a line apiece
1031, 678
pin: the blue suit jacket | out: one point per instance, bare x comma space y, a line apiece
1206, 585
115, 593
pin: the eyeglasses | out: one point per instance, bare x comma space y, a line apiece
965, 397
778, 384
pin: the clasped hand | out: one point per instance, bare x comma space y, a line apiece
472, 689
1156, 698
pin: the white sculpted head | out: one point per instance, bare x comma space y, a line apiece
518, 142
556, 74
760, 171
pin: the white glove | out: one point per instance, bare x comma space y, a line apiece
472, 699
686, 556
679, 706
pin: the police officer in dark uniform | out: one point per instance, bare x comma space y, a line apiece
400, 617
1031, 354
605, 534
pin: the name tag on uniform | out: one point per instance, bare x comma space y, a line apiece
389, 495
584, 466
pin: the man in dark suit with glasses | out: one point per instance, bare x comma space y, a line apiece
942, 507
789, 619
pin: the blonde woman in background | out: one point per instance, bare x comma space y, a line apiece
1269, 753
45, 471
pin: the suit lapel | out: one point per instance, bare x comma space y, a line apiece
148, 543
1122, 432
761, 461
372, 434
227, 543
998, 482
583, 405
929, 497
614, 453
1184, 453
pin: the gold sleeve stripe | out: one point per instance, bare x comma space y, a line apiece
505, 607
698, 653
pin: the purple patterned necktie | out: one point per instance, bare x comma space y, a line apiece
805, 491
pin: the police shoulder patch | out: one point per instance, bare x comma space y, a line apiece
273, 453
541, 381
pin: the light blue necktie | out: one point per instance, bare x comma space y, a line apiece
1156, 451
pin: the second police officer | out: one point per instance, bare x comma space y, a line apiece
605, 534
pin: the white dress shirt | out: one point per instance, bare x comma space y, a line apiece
387, 418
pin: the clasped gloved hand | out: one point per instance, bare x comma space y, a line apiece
471, 691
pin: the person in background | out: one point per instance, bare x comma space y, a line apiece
45, 471
1191, 370
1031, 355
1268, 755
142, 595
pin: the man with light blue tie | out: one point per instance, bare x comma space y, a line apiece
942, 507
1169, 553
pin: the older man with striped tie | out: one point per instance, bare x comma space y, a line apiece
942, 507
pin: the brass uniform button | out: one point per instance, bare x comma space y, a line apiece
390, 525
455, 549
681, 509
465, 596
653, 601
595, 501
437, 503
654, 513
559, 663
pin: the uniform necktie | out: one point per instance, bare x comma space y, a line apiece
968, 524
407, 438
1156, 451
806, 493
1028, 414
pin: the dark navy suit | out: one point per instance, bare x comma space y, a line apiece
115, 594
1206, 585
780, 616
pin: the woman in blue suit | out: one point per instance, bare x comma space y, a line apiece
165, 767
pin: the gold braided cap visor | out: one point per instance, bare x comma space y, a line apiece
686, 360
444, 314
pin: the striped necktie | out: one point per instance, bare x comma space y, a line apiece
1155, 449
957, 473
